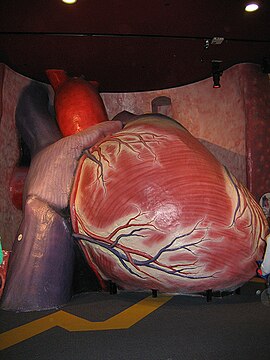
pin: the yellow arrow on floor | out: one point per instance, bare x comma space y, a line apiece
65, 320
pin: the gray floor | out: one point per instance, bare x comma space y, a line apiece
230, 327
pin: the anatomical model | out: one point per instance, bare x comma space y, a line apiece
150, 206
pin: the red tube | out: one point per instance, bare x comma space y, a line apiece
78, 104
16, 186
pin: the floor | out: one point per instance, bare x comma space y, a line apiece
133, 326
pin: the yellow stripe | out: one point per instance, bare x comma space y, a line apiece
257, 280
123, 320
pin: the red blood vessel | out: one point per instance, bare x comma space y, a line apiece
78, 104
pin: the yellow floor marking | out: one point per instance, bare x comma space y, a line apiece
123, 320
257, 280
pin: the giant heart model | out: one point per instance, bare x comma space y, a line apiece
154, 209
150, 206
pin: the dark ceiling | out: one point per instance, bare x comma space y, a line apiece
131, 45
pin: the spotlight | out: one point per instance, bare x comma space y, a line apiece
70, 2
252, 6
216, 73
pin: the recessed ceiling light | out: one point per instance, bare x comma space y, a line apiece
251, 7
69, 1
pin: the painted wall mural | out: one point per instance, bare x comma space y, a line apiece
149, 205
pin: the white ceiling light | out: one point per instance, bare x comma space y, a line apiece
251, 7
69, 1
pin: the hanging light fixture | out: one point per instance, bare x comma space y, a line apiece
216, 73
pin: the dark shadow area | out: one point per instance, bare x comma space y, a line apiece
84, 278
